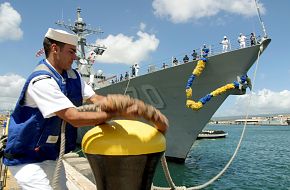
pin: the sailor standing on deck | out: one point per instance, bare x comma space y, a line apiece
137, 67
51, 94
242, 40
225, 43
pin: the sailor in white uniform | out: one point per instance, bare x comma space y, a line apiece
137, 67
242, 40
225, 43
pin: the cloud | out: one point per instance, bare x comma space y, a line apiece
10, 21
128, 50
181, 11
10, 88
142, 26
263, 102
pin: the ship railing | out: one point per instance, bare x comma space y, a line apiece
214, 49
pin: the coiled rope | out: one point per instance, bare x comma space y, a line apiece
166, 170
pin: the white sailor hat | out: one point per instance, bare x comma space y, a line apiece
62, 36
225, 36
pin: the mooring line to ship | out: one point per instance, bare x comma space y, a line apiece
127, 86
165, 167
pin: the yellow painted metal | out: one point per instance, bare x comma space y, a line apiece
123, 137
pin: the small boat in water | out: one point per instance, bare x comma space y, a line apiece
212, 134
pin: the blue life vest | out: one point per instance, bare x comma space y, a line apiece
32, 138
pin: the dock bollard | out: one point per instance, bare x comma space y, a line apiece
123, 154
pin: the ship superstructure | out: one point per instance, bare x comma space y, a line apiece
87, 53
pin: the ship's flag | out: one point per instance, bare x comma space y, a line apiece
39, 52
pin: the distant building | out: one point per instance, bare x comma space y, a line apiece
262, 120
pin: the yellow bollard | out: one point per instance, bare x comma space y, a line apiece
123, 154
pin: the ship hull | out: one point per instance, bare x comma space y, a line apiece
165, 89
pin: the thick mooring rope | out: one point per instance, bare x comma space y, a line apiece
55, 179
166, 170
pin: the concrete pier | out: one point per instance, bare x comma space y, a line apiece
78, 172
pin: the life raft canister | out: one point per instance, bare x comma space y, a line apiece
123, 154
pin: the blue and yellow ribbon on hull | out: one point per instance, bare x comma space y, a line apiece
196, 105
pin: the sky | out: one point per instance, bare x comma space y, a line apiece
152, 32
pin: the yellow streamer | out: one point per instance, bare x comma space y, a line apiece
222, 89
193, 105
199, 68
197, 105
188, 93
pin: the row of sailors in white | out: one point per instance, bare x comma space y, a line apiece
135, 70
226, 43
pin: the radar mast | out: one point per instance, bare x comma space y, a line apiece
84, 62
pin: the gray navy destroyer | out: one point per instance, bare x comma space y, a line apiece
165, 88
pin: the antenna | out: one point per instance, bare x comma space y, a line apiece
260, 19
84, 63
79, 26
80, 29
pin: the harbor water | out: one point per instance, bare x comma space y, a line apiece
263, 161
